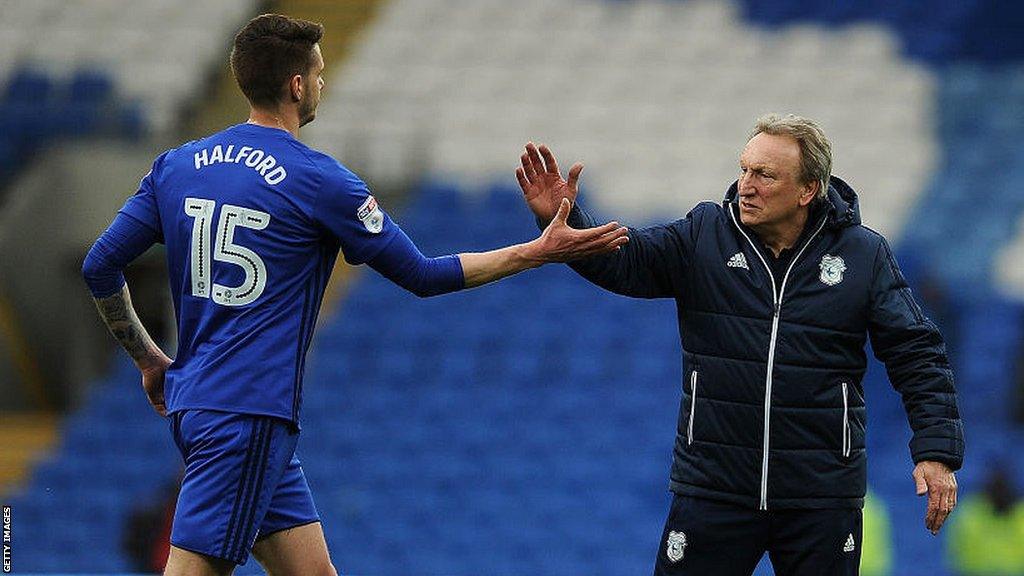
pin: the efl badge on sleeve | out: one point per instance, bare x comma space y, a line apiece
832, 268
676, 546
370, 214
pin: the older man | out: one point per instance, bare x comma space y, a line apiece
777, 290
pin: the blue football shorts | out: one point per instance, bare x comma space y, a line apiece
242, 482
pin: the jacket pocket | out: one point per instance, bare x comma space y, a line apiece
693, 407
847, 433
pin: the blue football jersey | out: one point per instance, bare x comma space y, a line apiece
253, 221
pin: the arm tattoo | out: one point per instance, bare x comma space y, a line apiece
113, 309
119, 316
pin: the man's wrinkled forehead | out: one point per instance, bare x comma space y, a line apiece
770, 150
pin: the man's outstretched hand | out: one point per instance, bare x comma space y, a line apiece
561, 243
939, 482
543, 186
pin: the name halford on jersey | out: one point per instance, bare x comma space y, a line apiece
254, 158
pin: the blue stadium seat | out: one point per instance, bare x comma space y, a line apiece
9, 154
74, 119
28, 86
90, 87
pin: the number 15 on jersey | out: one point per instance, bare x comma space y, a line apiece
225, 250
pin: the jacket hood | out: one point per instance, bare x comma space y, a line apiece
843, 209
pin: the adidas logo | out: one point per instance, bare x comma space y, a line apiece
738, 260
849, 546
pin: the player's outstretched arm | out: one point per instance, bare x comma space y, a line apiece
403, 263
557, 243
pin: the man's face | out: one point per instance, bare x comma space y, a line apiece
770, 188
313, 83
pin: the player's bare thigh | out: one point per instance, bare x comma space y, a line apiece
299, 551
183, 562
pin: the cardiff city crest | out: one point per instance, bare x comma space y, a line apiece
832, 268
676, 546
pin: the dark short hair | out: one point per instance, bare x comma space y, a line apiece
269, 51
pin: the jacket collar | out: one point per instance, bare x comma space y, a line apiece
843, 204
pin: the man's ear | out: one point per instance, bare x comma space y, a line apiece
809, 193
295, 88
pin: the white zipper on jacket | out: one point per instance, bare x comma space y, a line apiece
693, 407
777, 301
847, 440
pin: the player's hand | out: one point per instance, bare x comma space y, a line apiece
543, 186
939, 482
561, 243
153, 383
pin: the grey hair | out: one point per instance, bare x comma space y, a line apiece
815, 148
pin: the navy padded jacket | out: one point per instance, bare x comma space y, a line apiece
772, 412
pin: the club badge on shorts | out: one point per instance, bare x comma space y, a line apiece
675, 546
832, 268
369, 213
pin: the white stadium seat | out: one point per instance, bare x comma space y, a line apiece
656, 96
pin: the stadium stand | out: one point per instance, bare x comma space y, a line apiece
112, 454
41, 109
158, 52
654, 96
61, 82
527, 427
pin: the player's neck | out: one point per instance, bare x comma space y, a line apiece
275, 119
